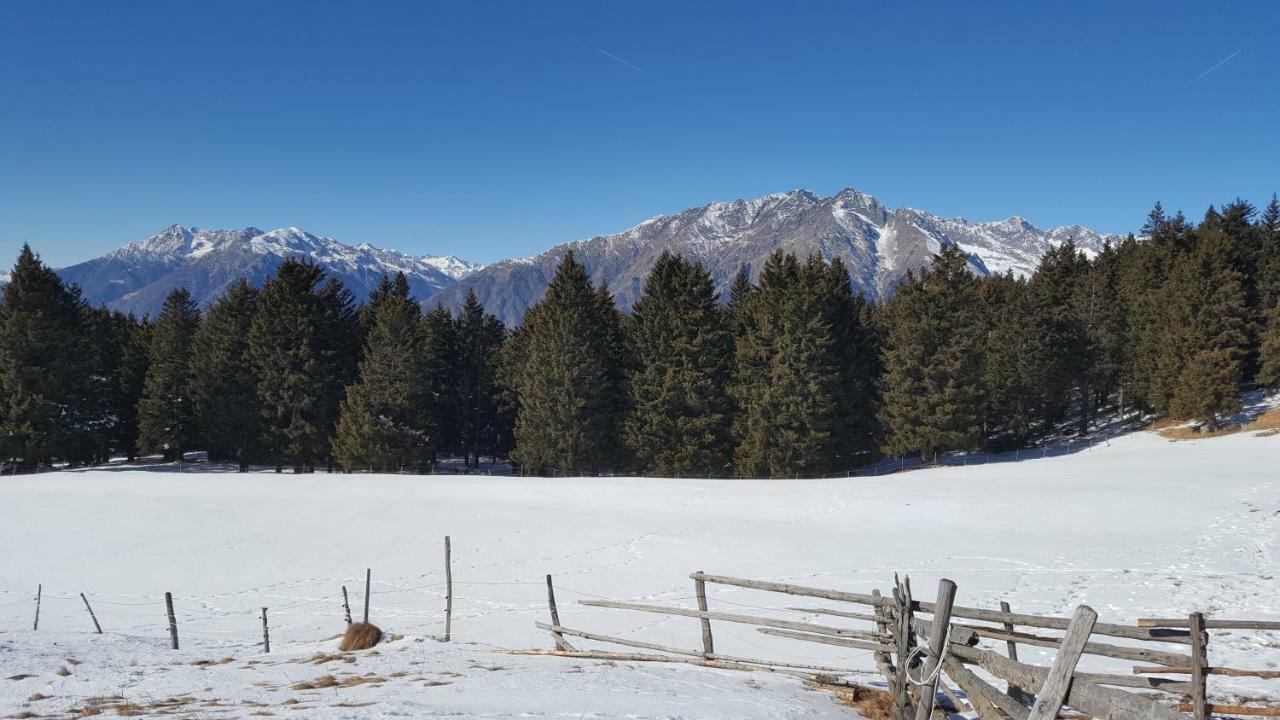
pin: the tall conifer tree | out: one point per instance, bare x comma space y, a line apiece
166, 412
384, 423
570, 378
226, 388
680, 414
932, 393
481, 427
303, 353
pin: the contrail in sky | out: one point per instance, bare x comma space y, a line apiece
1216, 65
640, 70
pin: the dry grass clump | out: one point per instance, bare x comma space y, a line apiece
322, 658
360, 636
324, 681
870, 704
366, 679
1266, 424
38, 696
62, 671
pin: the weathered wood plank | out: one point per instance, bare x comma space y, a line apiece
700, 592
1199, 686
1161, 634
1119, 652
1084, 693
937, 647
1052, 694
1209, 670
826, 639
982, 696
733, 618
1015, 692
1210, 624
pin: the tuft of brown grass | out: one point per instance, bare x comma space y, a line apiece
870, 704
360, 636
324, 681
62, 671
366, 679
1265, 425
38, 696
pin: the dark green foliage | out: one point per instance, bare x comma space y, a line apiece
384, 422
166, 412
481, 426
1064, 360
802, 375
680, 413
1012, 361
1269, 350
44, 365
226, 389
570, 378
1209, 298
440, 366
931, 398
302, 350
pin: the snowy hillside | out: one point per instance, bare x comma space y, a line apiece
137, 276
1138, 527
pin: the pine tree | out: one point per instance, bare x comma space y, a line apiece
679, 421
569, 380
225, 392
383, 423
1211, 299
1052, 291
1269, 350
857, 365
481, 427
134, 361
303, 353
166, 413
793, 417
44, 363
931, 398
740, 291
1013, 355
443, 396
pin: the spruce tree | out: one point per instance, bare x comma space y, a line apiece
383, 423
481, 428
1052, 292
680, 414
1269, 350
931, 398
1013, 357
134, 362
440, 363
793, 416
44, 365
166, 412
226, 390
302, 349
568, 380
1212, 300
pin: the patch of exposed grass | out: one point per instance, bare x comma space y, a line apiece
870, 704
62, 671
1265, 425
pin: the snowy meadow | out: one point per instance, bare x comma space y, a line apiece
1138, 527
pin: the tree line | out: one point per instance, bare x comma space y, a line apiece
795, 374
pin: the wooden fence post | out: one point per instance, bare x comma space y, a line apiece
1015, 692
938, 638
561, 643
91, 615
1199, 686
173, 621
266, 637
1058, 683
39, 592
368, 577
346, 605
883, 662
700, 590
448, 589
905, 641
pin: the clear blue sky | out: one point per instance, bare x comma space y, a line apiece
488, 129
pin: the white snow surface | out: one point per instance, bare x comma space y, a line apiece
1138, 527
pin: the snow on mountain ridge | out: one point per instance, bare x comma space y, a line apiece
177, 244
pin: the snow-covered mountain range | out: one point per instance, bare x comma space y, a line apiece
137, 276
879, 245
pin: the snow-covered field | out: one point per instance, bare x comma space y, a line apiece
1139, 527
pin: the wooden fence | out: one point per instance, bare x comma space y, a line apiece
923, 649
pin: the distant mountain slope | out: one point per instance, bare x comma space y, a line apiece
137, 277
879, 245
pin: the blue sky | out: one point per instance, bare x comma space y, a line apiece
490, 129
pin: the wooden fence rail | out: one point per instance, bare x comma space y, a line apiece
918, 654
